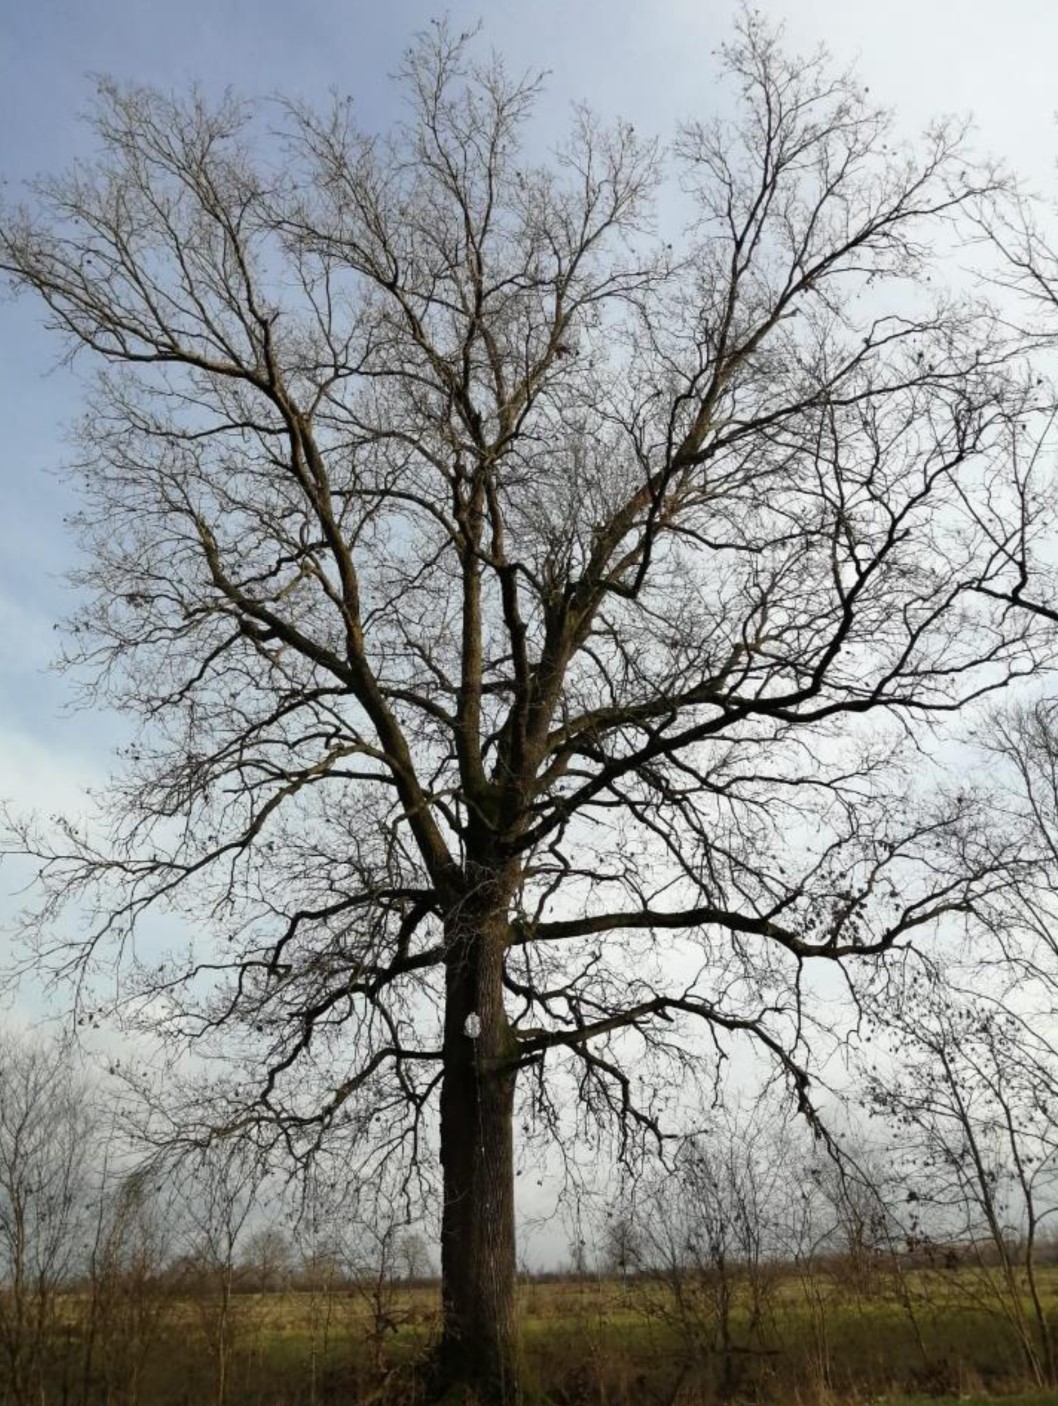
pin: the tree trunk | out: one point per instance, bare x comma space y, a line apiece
479, 1342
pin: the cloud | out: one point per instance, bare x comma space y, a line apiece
39, 774
43, 772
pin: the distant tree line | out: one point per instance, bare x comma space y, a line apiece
937, 1198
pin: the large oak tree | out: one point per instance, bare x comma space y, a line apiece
537, 585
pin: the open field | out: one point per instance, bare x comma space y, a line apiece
937, 1338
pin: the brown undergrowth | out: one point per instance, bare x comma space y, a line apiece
584, 1341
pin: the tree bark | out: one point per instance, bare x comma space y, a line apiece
479, 1341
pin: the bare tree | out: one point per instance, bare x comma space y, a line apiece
129, 1292
970, 1102
220, 1186
414, 1255
578, 1256
45, 1118
710, 1231
375, 1262
621, 1239
506, 582
322, 1272
267, 1260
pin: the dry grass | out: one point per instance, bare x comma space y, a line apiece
586, 1341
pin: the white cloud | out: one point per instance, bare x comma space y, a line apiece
38, 774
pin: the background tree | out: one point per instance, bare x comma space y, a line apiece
375, 1240
45, 1184
129, 1290
969, 1099
710, 1234
506, 577
621, 1238
267, 1260
322, 1274
220, 1187
578, 1256
414, 1256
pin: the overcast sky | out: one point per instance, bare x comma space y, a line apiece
648, 61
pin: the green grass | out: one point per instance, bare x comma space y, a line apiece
614, 1345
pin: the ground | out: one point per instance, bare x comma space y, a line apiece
937, 1337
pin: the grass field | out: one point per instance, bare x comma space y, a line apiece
938, 1339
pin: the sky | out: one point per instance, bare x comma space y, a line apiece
649, 62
